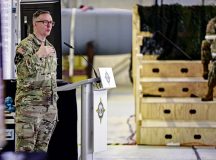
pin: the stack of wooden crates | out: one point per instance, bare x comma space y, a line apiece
169, 110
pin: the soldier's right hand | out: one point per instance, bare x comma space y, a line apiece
45, 51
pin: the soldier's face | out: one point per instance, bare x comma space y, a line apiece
43, 25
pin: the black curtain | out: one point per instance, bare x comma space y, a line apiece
184, 26
63, 144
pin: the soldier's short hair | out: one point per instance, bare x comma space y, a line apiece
38, 13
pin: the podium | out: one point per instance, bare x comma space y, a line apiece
86, 114
63, 143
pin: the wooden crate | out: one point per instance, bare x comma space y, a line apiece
164, 120
155, 68
174, 87
182, 132
177, 109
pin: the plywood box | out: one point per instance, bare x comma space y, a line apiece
174, 87
156, 68
184, 133
177, 109
148, 57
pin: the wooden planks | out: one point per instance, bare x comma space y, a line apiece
155, 68
174, 87
165, 105
182, 132
177, 109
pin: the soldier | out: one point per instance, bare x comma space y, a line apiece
208, 53
36, 101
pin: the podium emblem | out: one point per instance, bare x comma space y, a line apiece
100, 110
107, 78
100, 120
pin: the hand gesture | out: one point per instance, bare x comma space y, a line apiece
45, 51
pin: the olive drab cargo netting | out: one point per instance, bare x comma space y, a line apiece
177, 30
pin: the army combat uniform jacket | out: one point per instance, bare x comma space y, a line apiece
35, 101
208, 53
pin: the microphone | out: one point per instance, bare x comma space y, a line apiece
96, 75
68, 45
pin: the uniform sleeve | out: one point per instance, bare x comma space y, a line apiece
26, 60
205, 51
210, 28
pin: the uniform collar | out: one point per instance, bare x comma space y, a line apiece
36, 40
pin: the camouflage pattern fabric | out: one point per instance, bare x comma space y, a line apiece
212, 75
213, 46
210, 29
35, 101
205, 51
34, 127
209, 47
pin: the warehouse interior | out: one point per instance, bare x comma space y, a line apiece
152, 51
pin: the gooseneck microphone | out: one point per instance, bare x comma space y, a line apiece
96, 75
68, 45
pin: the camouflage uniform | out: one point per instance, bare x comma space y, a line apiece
36, 107
205, 57
208, 53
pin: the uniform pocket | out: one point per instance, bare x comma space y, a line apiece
24, 129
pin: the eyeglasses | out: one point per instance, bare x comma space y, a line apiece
45, 22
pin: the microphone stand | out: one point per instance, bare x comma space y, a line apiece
95, 73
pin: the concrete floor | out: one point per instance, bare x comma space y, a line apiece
121, 126
134, 152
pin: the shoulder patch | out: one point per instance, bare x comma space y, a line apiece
18, 58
